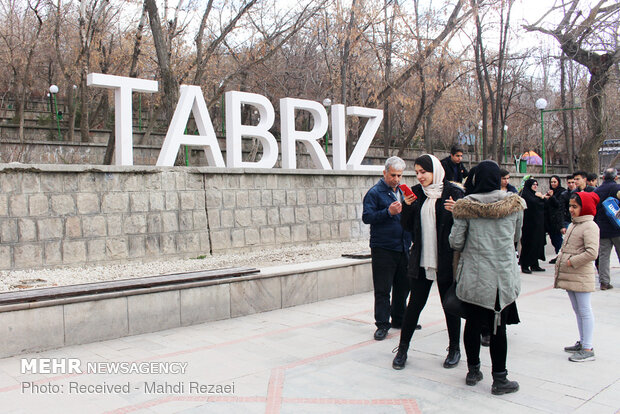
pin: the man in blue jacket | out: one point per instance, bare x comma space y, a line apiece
610, 234
389, 247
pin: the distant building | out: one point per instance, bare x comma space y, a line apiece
607, 153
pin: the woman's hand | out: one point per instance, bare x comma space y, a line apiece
539, 194
449, 204
568, 263
410, 199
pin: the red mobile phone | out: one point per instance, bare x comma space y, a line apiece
405, 188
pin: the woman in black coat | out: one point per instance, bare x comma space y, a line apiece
533, 232
427, 217
554, 212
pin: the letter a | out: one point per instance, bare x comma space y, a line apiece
191, 101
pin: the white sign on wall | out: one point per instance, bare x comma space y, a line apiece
191, 102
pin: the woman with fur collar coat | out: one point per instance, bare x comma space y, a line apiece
487, 224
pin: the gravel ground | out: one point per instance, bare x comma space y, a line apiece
25, 279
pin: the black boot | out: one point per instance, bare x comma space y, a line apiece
453, 358
401, 356
474, 375
501, 384
525, 269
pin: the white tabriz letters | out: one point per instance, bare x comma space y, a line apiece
191, 101
309, 138
375, 116
235, 131
123, 87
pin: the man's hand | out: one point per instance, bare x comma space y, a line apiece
410, 199
449, 204
395, 208
568, 263
563, 230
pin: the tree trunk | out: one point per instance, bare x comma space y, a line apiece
588, 159
169, 82
71, 109
567, 135
84, 126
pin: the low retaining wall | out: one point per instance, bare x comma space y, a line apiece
73, 215
32, 327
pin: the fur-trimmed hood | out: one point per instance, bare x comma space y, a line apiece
496, 204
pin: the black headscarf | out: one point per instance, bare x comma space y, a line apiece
559, 189
483, 178
529, 195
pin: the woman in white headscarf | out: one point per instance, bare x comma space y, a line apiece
429, 219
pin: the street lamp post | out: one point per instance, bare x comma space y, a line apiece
505, 139
327, 103
541, 104
54, 91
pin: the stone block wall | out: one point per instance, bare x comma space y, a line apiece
53, 216
263, 210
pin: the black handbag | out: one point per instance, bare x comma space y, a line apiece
452, 304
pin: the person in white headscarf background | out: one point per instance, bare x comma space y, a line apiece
429, 219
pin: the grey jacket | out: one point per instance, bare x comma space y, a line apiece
486, 228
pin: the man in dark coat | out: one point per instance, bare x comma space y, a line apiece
505, 182
389, 247
581, 182
453, 165
610, 234
565, 197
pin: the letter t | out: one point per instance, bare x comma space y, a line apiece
123, 87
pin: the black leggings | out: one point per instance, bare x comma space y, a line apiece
471, 339
420, 289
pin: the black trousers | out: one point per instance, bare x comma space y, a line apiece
389, 274
471, 337
420, 289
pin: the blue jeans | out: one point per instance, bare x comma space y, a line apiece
585, 317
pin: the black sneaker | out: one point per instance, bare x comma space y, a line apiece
380, 334
574, 348
401, 357
453, 358
474, 375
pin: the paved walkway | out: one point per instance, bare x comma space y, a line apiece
320, 358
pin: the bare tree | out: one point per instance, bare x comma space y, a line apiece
588, 38
20, 40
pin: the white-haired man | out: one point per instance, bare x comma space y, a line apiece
389, 247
